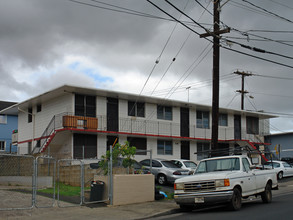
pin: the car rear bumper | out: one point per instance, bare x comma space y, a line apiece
203, 198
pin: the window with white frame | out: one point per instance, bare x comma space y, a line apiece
223, 120
3, 119
203, 150
2, 145
164, 112
202, 119
164, 147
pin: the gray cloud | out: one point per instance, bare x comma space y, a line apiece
41, 34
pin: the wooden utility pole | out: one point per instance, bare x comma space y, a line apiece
242, 91
216, 79
216, 75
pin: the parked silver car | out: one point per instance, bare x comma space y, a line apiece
165, 170
282, 168
185, 164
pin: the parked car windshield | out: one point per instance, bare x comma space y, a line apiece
218, 165
169, 164
190, 164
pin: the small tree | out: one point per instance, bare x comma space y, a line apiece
119, 151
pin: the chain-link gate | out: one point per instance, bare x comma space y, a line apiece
17, 182
45, 182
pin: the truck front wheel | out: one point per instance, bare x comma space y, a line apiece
235, 203
266, 196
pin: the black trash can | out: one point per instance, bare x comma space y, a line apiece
97, 191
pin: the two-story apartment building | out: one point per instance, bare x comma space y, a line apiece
75, 122
8, 123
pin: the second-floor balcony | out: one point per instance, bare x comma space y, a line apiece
148, 127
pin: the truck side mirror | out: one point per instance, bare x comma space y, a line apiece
252, 167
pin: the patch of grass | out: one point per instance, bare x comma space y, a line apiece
64, 190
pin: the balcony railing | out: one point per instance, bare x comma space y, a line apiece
138, 126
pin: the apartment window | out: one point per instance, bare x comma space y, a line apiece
164, 112
223, 120
139, 143
39, 108
30, 115
2, 145
136, 109
252, 125
202, 119
84, 146
85, 105
203, 150
164, 147
3, 119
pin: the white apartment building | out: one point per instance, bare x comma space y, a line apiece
74, 122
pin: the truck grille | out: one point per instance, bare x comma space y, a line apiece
199, 186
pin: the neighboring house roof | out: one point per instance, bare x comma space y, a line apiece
126, 96
279, 134
5, 105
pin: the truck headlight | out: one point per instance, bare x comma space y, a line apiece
179, 186
222, 183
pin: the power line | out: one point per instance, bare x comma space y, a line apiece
271, 31
286, 6
255, 39
260, 58
265, 38
258, 49
267, 94
274, 77
265, 10
173, 60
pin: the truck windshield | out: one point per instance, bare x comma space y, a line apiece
218, 165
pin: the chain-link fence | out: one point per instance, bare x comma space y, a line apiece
27, 182
45, 182
17, 182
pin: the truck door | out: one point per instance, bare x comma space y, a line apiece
248, 180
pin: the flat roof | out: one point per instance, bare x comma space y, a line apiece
121, 95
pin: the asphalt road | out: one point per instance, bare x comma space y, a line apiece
280, 208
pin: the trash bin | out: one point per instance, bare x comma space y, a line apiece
97, 191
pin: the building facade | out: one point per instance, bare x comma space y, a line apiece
281, 145
74, 122
8, 126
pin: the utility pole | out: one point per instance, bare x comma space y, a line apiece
242, 91
216, 75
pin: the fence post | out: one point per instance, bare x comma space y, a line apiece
82, 181
34, 180
111, 177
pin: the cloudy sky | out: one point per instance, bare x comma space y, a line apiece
132, 46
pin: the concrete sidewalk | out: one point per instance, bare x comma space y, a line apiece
102, 211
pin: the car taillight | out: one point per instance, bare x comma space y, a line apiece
177, 173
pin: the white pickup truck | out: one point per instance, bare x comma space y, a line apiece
224, 180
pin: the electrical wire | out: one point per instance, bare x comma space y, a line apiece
258, 49
269, 12
286, 6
